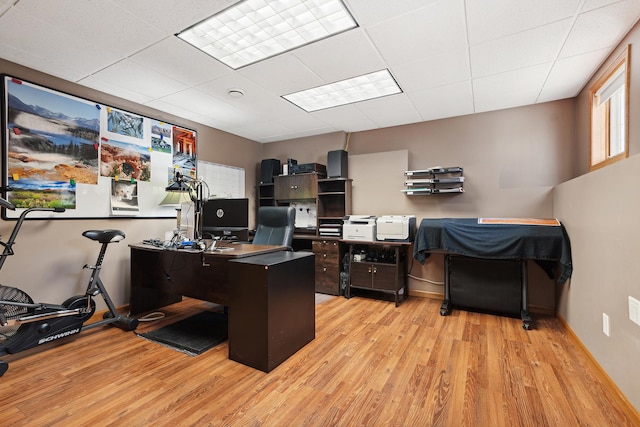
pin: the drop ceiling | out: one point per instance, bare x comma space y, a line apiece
450, 58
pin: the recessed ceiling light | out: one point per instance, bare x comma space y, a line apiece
356, 89
253, 30
236, 93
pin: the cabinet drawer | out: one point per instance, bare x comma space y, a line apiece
325, 246
327, 278
324, 270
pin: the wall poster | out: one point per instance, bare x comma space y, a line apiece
95, 161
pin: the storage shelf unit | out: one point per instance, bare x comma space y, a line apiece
266, 195
334, 202
380, 267
438, 180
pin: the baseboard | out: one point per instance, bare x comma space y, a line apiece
426, 294
630, 411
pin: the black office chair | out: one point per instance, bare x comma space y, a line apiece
276, 225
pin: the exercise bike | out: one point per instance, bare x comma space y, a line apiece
25, 324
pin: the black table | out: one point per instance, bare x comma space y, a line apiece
547, 245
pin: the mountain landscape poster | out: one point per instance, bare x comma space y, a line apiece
52, 144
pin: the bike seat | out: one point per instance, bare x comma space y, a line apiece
104, 236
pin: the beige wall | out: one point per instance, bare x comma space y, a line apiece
50, 254
511, 160
601, 211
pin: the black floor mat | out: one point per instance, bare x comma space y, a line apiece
193, 335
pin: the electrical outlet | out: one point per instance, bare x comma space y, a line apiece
634, 310
605, 324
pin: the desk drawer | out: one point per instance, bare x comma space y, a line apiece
327, 266
325, 246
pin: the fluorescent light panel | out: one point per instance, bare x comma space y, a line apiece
253, 30
356, 89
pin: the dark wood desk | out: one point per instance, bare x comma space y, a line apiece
160, 277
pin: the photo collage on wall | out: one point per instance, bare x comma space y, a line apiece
68, 152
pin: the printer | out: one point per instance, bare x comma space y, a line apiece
398, 228
359, 227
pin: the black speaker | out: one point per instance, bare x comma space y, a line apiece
337, 164
268, 169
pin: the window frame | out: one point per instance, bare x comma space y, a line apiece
603, 144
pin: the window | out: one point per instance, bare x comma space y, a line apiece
609, 113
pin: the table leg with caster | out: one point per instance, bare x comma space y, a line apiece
524, 312
445, 308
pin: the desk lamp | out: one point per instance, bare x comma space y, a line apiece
176, 199
186, 185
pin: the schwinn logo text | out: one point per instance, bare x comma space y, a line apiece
58, 336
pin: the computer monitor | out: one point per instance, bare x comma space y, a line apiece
226, 219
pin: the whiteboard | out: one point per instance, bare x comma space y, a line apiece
223, 181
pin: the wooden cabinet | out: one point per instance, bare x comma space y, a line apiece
379, 267
296, 187
328, 254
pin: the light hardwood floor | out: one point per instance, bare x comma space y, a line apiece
370, 364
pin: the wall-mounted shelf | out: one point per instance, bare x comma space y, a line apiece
437, 180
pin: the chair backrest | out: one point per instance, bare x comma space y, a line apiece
276, 225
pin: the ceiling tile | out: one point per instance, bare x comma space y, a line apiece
594, 4
492, 19
114, 89
510, 89
4, 5
564, 71
346, 118
206, 105
389, 111
371, 12
135, 77
281, 75
434, 29
344, 56
173, 16
601, 28
428, 72
35, 48
519, 50
108, 29
444, 101
172, 58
